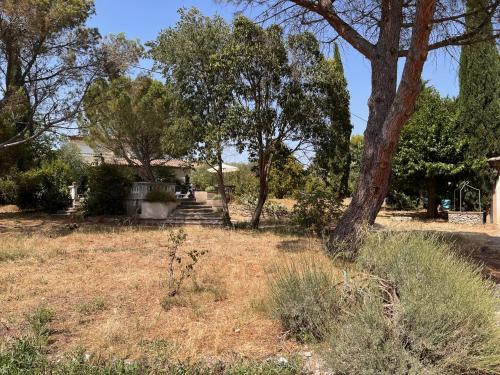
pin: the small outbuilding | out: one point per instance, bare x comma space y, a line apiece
495, 202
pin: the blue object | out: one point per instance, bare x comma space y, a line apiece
445, 204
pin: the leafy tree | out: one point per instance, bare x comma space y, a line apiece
48, 59
431, 151
276, 104
193, 56
136, 120
287, 175
383, 32
332, 137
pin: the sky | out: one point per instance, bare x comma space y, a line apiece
144, 19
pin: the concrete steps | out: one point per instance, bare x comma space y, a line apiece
190, 212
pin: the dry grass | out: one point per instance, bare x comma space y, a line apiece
105, 289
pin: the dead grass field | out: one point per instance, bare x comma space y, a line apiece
105, 284
105, 287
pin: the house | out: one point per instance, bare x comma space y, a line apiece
495, 201
93, 153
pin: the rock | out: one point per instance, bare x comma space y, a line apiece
282, 361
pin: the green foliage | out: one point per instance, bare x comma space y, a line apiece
207, 86
304, 298
135, 117
356, 151
401, 201
70, 154
431, 151
317, 207
201, 178
287, 175
109, 185
44, 188
425, 312
160, 196
479, 80
8, 190
331, 137
210, 189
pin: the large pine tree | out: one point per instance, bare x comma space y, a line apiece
479, 97
332, 159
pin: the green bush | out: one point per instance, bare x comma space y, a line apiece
44, 188
109, 186
210, 189
430, 313
8, 190
316, 208
160, 196
401, 201
304, 298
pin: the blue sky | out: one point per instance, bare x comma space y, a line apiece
143, 20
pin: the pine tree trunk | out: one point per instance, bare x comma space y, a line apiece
389, 109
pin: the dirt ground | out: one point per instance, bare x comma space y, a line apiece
105, 286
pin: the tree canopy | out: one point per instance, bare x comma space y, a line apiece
48, 59
431, 151
136, 120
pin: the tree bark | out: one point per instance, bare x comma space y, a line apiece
226, 218
389, 109
264, 169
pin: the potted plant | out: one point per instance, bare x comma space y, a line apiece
158, 204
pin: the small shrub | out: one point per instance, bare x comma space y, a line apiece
181, 263
316, 208
45, 188
430, 313
109, 186
304, 298
275, 211
210, 189
160, 196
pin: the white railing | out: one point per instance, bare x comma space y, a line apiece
139, 190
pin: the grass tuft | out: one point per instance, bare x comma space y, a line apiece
304, 297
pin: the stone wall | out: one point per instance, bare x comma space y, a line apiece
465, 217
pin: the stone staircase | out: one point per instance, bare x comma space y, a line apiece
191, 212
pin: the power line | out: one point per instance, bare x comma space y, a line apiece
359, 117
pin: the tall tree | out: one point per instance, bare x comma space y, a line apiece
479, 96
383, 31
193, 56
431, 151
332, 137
136, 120
48, 59
276, 106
